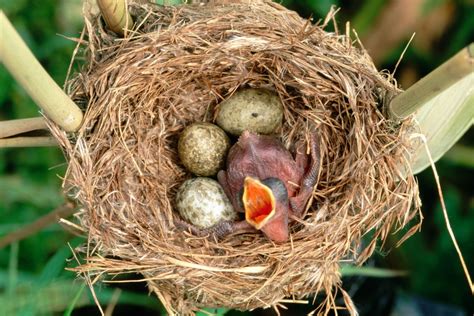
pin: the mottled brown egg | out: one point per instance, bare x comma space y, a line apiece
203, 203
255, 110
202, 148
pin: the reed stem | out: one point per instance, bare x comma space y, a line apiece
15, 127
36, 141
428, 87
443, 120
116, 15
24, 67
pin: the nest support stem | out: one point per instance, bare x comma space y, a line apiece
450, 72
15, 127
36, 141
26, 69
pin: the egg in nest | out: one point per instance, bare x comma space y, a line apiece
255, 110
202, 202
202, 148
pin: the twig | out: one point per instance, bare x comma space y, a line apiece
32, 228
14, 127
24, 67
453, 70
116, 15
34, 141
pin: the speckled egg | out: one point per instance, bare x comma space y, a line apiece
255, 110
202, 148
203, 203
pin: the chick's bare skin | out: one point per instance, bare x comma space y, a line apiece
260, 157
264, 157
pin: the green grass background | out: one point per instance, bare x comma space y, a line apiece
33, 280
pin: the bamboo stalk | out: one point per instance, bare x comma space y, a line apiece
443, 120
443, 103
37, 141
15, 127
116, 15
24, 67
450, 72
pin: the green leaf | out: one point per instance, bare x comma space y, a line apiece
59, 295
350, 270
366, 15
430, 5
213, 311
21, 277
56, 264
443, 120
169, 2
74, 301
13, 268
321, 7
460, 155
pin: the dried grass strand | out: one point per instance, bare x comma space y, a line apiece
445, 213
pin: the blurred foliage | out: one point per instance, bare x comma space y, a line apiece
32, 275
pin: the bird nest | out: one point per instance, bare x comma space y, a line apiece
174, 68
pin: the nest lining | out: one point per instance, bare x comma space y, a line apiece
174, 69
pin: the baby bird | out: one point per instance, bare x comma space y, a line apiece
264, 181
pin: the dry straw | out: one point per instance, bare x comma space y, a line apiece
174, 68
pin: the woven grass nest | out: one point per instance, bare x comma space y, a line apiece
139, 92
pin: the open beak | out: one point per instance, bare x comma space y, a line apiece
259, 202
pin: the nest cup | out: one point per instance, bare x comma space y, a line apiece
174, 68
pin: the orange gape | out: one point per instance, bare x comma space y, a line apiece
259, 203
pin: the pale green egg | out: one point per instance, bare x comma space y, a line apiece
202, 202
256, 110
202, 148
